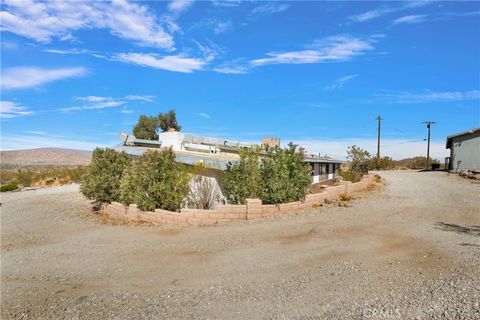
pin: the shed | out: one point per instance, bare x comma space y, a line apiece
464, 151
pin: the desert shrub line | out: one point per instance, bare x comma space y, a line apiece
102, 180
155, 180
278, 176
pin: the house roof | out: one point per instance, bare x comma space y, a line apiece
228, 151
448, 144
214, 161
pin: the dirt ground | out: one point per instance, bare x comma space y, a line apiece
408, 250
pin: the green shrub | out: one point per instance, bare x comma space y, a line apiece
155, 180
102, 180
8, 187
350, 176
278, 177
243, 179
285, 176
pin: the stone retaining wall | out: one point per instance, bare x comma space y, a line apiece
254, 208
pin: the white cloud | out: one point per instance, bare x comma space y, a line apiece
40, 133
94, 99
43, 21
232, 69
10, 109
178, 63
203, 115
221, 26
179, 5
428, 96
31, 141
226, 3
378, 12
412, 19
336, 48
76, 51
268, 9
28, 77
395, 148
100, 102
339, 83
95, 105
140, 98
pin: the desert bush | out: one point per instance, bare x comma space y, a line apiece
155, 180
8, 187
384, 163
243, 179
345, 197
356, 156
102, 180
350, 176
205, 192
285, 176
25, 177
279, 176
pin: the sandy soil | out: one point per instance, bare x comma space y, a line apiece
409, 250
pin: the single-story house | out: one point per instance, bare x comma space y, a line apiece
464, 151
217, 154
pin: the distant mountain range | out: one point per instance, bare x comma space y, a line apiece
44, 157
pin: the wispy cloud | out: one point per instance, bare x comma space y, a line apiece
40, 133
267, 9
239, 66
177, 63
146, 98
219, 27
381, 11
428, 96
95, 105
331, 49
412, 19
10, 109
226, 3
100, 102
44, 21
203, 115
179, 5
29, 77
339, 83
76, 51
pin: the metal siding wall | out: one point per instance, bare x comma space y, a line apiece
467, 150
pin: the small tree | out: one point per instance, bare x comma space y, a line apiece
356, 156
243, 179
286, 177
155, 180
168, 121
146, 128
102, 180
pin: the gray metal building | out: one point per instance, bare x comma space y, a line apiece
464, 151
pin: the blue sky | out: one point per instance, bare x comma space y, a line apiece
317, 73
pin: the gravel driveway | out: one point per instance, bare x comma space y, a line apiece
408, 250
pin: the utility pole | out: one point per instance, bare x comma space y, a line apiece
378, 142
429, 124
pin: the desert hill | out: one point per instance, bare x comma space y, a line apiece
44, 157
